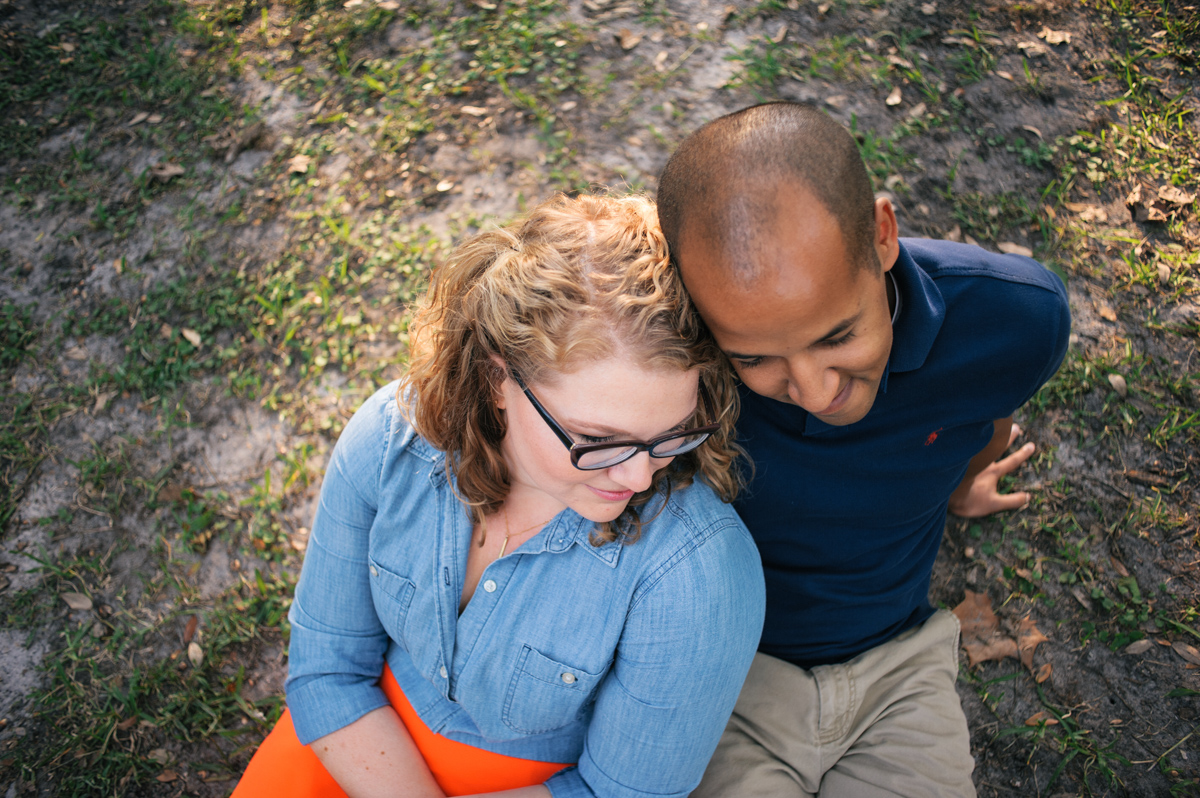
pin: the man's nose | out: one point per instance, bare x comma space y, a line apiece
810, 385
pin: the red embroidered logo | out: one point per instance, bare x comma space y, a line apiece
933, 436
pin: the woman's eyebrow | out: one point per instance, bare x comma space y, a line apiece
575, 424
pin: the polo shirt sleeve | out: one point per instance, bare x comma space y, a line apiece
689, 638
337, 643
1047, 322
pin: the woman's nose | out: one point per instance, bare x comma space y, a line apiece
637, 472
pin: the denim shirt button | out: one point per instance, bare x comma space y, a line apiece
374, 572
489, 586
568, 678
442, 671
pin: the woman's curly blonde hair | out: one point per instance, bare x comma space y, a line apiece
576, 280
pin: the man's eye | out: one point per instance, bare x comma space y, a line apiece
839, 341
747, 362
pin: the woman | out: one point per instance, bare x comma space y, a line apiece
513, 537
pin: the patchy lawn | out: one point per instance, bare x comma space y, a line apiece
214, 213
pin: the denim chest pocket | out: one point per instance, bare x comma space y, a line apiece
393, 596
546, 694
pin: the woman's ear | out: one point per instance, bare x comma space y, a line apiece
498, 377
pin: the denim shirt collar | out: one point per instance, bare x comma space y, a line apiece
920, 313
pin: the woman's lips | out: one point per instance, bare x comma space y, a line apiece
612, 495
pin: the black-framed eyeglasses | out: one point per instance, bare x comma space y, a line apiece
595, 456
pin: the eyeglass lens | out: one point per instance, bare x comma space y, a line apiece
671, 447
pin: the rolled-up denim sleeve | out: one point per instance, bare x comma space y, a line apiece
687, 645
338, 644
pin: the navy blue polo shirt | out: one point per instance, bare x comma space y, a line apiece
849, 519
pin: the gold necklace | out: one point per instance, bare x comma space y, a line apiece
508, 534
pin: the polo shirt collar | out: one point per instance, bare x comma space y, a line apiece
916, 321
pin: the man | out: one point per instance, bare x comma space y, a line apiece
882, 376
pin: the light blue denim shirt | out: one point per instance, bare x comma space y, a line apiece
625, 658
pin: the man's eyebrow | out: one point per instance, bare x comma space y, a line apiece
575, 424
838, 329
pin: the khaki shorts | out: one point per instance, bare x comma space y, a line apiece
886, 723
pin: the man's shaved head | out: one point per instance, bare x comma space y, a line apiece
721, 184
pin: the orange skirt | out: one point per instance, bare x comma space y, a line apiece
282, 766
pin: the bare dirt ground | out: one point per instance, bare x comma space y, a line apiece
215, 212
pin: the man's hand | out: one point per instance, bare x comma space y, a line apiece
978, 494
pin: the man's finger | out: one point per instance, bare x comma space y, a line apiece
1010, 501
1006, 465
1014, 433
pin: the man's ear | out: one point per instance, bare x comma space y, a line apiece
498, 376
887, 233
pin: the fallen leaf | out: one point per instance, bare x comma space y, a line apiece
1122, 388
127, 724
997, 650
895, 97
628, 39
1164, 274
66, 47
896, 60
154, 119
1175, 195
660, 61
1043, 673
1146, 211
1032, 49
195, 654
780, 34
167, 776
1187, 652
1139, 646
1009, 248
1054, 36
1117, 565
1106, 312
102, 400
1087, 213
980, 629
190, 631
893, 181
445, 185
138, 118
1029, 637
77, 601
474, 110
837, 101
1041, 717
1082, 598
192, 336
76, 353
955, 234
164, 171
929, 9
569, 105
166, 331
970, 240
1146, 478
1006, 75
916, 111
1032, 130
298, 164
823, 9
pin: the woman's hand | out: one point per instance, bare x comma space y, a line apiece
376, 756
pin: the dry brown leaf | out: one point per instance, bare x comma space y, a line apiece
970, 240
76, 601
66, 47
980, 629
997, 650
154, 119
195, 654
102, 400
1010, 248
167, 776
159, 755
955, 234
1006, 75
1041, 716
127, 724
1087, 213
837, 101
1117, 565
1054, 36
298, 164
1175, 195
1029, 637
190, 631
445, 185
192, 336
1106, 312
895, 97
474, 110
164, 171
628, 39
1187, 652
76, 353
1139, 646
1143, 210
138, 118
1122, 388
1164, 274
1043, 673
780, 34
917, 111
929, 9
